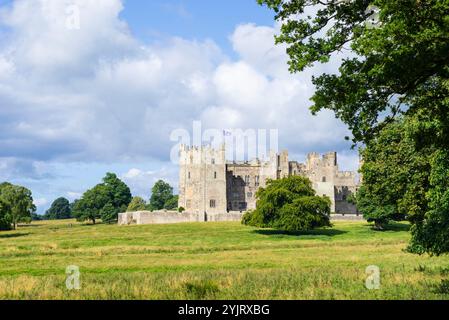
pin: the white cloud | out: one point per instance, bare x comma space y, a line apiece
40, 202
98, 94
72, 196
141, 182
255, 45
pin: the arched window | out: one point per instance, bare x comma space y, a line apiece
215, 175
324, 179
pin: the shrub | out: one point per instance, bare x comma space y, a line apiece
289, 204
109, 214
137, 204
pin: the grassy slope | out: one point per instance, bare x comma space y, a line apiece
213, 261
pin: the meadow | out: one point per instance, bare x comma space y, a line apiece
214, 261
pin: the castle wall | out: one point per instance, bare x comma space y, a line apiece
243, 181
210, 185
171, 217
161, 217
283, 165
202, 177
342, 193
325, 189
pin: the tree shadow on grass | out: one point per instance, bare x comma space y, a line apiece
396, 226
87, 224
13, 235
318, 232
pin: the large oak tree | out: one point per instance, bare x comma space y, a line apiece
398, 68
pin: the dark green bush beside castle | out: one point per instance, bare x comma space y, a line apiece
289, 204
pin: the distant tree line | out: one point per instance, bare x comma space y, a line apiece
103, 202
162, 198
60, 209
107, 199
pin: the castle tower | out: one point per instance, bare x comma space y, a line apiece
202, 179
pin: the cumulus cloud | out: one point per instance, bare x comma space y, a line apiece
258, 92
97, 94
141, 182
40, 202
72, 196
11, 168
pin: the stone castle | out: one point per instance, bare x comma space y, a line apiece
213, 189
210, 185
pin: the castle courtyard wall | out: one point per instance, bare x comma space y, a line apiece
171, 217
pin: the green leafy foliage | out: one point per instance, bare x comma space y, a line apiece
16, 205
431, 235
37, 217
5, 221
60, 209
137, 204
91, 203
161, 194
97, 202
109, 213
289, 204
172, 203
119, 193
395, 177
379, 82
399, 67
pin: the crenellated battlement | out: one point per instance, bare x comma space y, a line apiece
209, 183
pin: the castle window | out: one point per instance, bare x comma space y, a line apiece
213, 161
257, 181
324, 179
213, 203
215, 175
247, 180
249, 194
189, 175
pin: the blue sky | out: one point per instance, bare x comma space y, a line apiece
105, 94
193, 19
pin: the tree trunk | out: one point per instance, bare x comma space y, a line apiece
378, 225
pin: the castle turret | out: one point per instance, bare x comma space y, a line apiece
202, 181
283, 165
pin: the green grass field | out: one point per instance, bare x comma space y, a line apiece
214, 261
